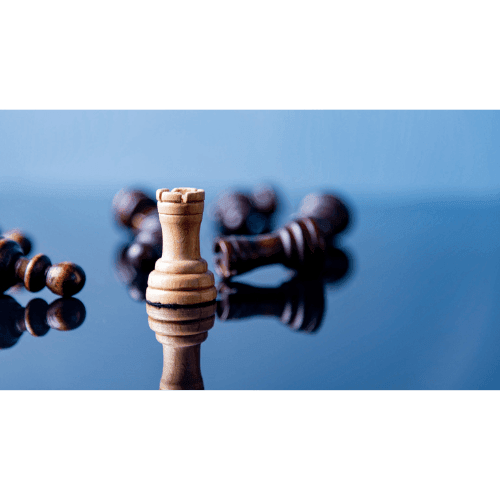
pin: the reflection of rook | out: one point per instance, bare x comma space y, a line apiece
38, 317
181, 331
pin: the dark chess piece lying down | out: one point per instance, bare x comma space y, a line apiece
65, 279
37, 318
299, 244
20, 238
298, 303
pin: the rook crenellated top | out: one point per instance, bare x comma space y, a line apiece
180, 195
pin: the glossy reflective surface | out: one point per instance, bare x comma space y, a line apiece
416, 309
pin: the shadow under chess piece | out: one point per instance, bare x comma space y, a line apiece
181, 277
37, 318
238, 213
298, 303
329, 212
65, 279
298, 245
20, 238
181, 331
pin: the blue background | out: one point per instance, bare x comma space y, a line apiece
418, 311
380, 152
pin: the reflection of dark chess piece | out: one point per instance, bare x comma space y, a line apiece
63, 279
38, 317
298, 303
181, 331
135, 279
298, 245
20, 238
330, 213
238, 213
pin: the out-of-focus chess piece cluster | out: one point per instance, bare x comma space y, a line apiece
64, 279
307, 245
244, 243
37, 317
299, 245
237, 212
135, 211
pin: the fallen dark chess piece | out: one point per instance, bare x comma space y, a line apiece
20, 238
38, 317
236, 212
299, 244
298, 303
330, 213
63, 279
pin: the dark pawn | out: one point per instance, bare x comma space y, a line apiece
37, 318
131, 206
328, 211
20, 238
298, 245
65, 279
237, 213
135, 210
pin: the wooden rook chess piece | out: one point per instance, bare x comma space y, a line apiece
63, 279
181, 332
37, 318
298, 245
329, 212
19, 237
181, 277
237, 213
180, 298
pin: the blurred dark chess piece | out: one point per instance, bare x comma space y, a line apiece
38, 318
136, 211
63, 279
298, 245
135, 279
20, 238
329, 212
181, 332
298, 303
238, 213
